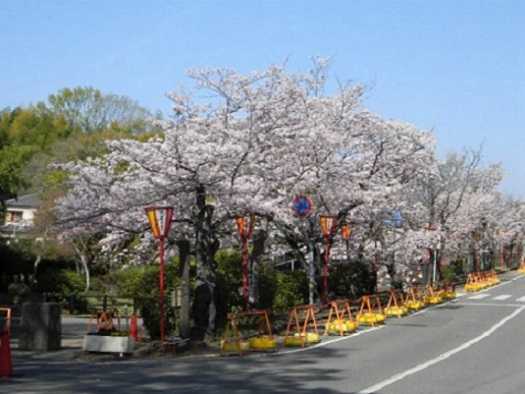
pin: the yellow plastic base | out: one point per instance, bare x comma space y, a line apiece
232, 346
396, 311
414, 305
347, 326
371, 318
449, 295
300, 340
473, 287
433, 300
263, 343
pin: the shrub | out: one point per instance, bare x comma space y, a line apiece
144, 288
352, 279
291, 289
276, 290
453, 272
64, 285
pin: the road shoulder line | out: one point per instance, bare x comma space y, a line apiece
326, 343
400, 376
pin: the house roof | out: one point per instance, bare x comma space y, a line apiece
25, 201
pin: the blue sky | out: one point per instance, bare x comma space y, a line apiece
457, 67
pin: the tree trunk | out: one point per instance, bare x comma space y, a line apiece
259, 243
212, 312
84, 263
475, 256
310, 272
85, 268
37, 262
185, 307
206, 244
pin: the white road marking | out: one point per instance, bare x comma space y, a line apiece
479, 296
325, 343
502, 297
521, 299
498, 285
460, 295
488, 304
400, 376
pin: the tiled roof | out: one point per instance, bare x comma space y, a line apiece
25, 201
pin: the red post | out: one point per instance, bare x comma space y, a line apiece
160, 219
161, 288
328, 225
6, 366
133, 328
325, 271
245, 230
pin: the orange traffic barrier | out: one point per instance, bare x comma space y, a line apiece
448, 291
432, 296
340, 319
480, 280
371, 311
413, 300
301, 329
472, 283
233, 340
395, 305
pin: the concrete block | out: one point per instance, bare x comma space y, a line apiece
108, 344
40, 326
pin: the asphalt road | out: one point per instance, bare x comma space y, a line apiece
472, 345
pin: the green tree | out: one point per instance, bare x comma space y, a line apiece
91, 110
23, 134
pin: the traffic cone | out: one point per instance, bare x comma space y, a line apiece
6, 366
133, 328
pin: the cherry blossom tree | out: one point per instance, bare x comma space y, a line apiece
253, 143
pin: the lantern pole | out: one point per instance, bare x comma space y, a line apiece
245, 230
325, 270
345, 232
161, 289
328, 225
160, 219
245, 278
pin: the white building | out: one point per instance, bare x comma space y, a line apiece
20, 214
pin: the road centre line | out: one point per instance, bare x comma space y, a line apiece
325, 343
488, 304
418, 368
502, 297
479, 296
521, 299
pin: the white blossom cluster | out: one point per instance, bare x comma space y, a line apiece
250, 143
